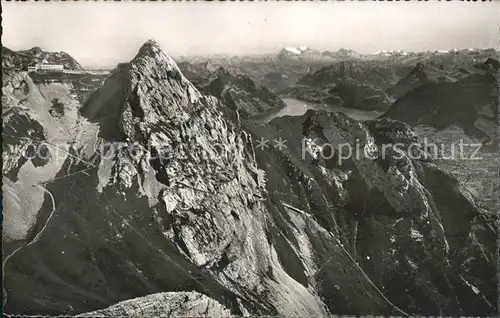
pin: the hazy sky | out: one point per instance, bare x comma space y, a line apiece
103, 34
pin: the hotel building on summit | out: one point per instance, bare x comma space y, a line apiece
46, 67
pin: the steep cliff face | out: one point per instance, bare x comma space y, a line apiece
170, 208
170, 304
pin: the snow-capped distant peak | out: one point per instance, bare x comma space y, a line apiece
293, 50
390, 52
296, 50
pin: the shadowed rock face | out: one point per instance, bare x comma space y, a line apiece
178, 212
198, 73
242, 97
22, 138
461, 103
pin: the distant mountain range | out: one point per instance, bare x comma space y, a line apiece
306, 53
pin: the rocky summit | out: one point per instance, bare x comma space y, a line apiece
164, 203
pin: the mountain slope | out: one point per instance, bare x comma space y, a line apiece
343, 54
173, 200
40, 126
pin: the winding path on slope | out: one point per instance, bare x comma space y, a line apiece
34, 240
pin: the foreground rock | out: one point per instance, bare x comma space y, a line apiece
171, 304
470, 103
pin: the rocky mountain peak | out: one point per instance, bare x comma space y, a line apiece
150, 47
151, 53
136, 97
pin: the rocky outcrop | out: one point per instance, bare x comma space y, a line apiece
242, 97
356, 96
491, 65
170, 304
